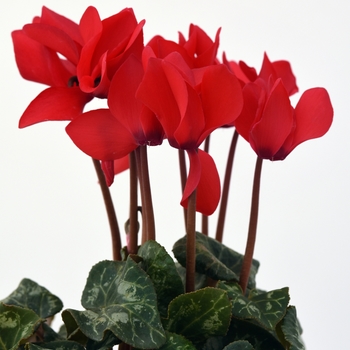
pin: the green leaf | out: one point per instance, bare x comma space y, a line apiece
177, 341
215, 259
120, 297
200, 315
55, 345
259, 337
161, 268
16, 324
291, 330
32, 296
265, 308
108, 342
239, 345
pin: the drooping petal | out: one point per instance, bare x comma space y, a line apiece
221, 97
100, 135
204, 177
107, 167
269, 133
193, 177
209, 189
55, 103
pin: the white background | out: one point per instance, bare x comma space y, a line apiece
53, 225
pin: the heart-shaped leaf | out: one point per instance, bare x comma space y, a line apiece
291, 330
32, 296
215, 259
200, 314
16, 324
120, 297
177, 341
162, 270
266, 308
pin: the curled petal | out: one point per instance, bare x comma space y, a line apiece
55, 103
100, 135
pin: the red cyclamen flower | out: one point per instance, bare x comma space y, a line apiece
109, 134
190, 104
268, 121
77, 61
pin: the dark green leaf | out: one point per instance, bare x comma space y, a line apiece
215, 259
107, 343
201, 281
161, 268
200, 315
265, 308
239, 345
259, 337
291, 329
120, 297
55, 345
32, 296
16, 324
176, 341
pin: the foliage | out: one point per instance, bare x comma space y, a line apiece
141, 301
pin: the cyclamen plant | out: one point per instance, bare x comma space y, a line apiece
178, 92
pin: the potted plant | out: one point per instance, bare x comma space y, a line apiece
177, 92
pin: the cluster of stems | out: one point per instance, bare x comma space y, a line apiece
139, 178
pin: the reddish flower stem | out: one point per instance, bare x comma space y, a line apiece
183, 175
133, 228
225, 189
191, 243
205, 219
253, 223
146, 196
112, 218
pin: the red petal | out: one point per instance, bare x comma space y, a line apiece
194, 175
38, 63
100, 135
253, 97
121, 99
107, 167
54, 19
121, 164
155, 92
221, 96
55, 103
269, 133
313, 116
53, 38
284, 70
208, 186
90, 24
